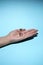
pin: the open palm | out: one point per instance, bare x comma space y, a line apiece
20, 34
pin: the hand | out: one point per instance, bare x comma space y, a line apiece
20, 34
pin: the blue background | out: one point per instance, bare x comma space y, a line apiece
22, 14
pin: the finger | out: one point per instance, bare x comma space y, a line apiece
28, 35
27, 32
30, 31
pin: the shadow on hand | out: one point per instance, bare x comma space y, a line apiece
27, 39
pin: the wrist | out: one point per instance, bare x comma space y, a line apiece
4, 40
7, 38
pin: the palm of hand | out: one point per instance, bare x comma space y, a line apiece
21, 34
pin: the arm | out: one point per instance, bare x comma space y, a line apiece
16, 35
4, 40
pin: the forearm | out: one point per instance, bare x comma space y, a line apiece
4, 41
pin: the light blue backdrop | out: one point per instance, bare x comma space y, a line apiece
22, 14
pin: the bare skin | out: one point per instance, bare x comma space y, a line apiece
17, 35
